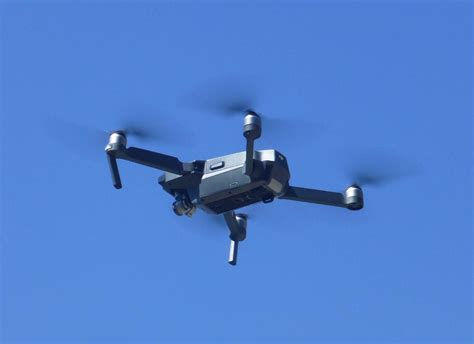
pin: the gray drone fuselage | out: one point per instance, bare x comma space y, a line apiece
221, 185
224, 186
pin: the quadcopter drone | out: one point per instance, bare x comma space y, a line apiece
224, 184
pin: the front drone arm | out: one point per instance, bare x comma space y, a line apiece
294, 193
252, 131
116, 149
114, 171
159, 161
237, 224
352, 198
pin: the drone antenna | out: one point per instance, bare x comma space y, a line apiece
252, 131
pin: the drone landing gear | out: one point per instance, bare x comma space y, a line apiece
237, 224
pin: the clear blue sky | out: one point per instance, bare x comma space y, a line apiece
389, 82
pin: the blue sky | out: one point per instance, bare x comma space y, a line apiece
388, 84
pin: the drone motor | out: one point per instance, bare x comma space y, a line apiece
252, 126
354, 197
117, 140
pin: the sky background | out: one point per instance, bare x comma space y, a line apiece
386, 85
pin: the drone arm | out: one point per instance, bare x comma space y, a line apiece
233, 251
252, 131
352, 198
249, 156
152, 159
148, 158
294, 193
116, 149
114, 171
238, 232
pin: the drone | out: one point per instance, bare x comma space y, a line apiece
222, 185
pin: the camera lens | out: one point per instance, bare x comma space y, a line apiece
183, 206
179, 208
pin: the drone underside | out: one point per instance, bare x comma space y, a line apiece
224, 184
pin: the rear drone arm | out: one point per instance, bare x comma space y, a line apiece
252, 131
237, 224
352, 198
117, 149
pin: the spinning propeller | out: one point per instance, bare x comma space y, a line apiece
232, 99
85, 139
377, 168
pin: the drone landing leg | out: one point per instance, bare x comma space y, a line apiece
237, 224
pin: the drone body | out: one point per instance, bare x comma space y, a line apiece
224, 184
225, 187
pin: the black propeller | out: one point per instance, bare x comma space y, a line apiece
233, 97
376, 169
83, 138
225, 97
145, 129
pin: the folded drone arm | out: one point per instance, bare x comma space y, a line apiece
252, 131
352, 198
237, 224
114, 171
294, 193
159, 161
237, 230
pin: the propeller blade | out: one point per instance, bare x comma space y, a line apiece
83, 138
226, 97
146, 128
78, 138
379, 169
233, 97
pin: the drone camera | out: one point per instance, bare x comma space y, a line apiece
183, 206
354, 197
